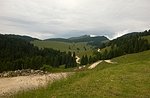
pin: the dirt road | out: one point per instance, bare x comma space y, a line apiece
98, 62
94, 64
110, 62
12, 85
77, 60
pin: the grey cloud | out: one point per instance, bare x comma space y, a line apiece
66, 18
17, 20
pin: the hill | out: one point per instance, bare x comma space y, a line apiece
82, 45
95, 41
128, 78
126, 44
80, 48
147, 37
26, 38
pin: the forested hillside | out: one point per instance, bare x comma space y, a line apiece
17, 53
26, 38
126, 44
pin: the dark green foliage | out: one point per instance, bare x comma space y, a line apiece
70, 60
26, 38
84, 60
46, 68
90, 60
17, 53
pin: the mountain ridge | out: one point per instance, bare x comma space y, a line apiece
23, 37
96, 41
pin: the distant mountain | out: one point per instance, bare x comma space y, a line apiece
57, 39
26, 38
96, 41
80, 37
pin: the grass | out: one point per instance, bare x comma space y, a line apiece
65, 46
129, 78
148, 38
60, 69
108, 48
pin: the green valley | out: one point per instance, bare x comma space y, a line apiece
80, 47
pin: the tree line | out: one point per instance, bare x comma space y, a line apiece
16, 53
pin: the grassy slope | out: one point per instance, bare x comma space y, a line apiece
148, 38
130, 78
64, 46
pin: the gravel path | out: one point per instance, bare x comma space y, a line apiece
110, 62
77, 60
98, 62
94, 64
12, 85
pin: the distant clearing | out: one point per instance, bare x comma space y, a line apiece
147, 37
81, 48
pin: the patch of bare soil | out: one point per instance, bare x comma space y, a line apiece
98, 62
94, 64
110, 62
77, 60
12, 85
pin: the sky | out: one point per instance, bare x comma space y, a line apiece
67, 18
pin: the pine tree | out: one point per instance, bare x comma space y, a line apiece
83, 60
90, 60
86, 60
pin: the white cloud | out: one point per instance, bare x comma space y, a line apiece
61, 18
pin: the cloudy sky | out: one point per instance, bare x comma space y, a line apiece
66, 18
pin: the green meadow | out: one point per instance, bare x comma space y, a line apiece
81, 48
